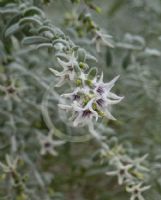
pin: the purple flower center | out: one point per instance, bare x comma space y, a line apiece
86, 113
47, 144
70, 68
136, 191
11, 90
122, 172
76, 97
100, 102
100, 90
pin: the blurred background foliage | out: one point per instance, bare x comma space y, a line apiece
77, 173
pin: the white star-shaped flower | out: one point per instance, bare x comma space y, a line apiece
48, 144
137, 162
105, 97
84, 114
122, 173
11, 164
68, 72
136, 191
11, 91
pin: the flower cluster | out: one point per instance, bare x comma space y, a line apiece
86, 98
91, 98
129, 172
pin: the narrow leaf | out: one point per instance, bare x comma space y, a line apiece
34, 40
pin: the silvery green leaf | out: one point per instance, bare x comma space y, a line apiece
8, 11
46, 28
30, 20
128, 46
134, 38
92, 73
44, 45
33, 10
10, 5
64, 42
90, 57
12, 29
58, 31
34, 40
152, 52
81, 55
